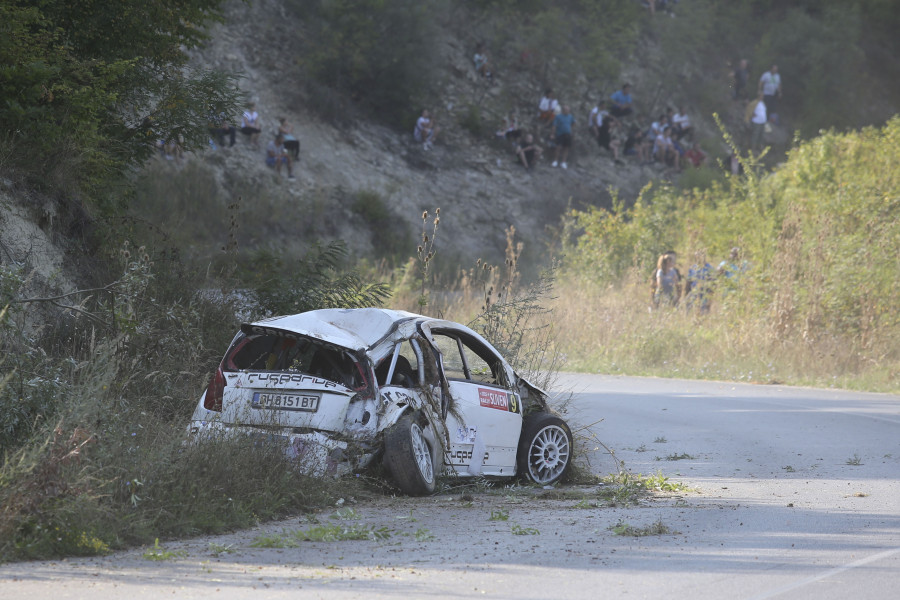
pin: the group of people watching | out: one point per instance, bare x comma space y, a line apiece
664, 141
668, 140
668, 287
282, 151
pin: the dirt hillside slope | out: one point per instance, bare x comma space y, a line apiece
479, 187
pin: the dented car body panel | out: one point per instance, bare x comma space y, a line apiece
336, 385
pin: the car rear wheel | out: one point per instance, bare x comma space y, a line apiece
545, 449
408, 457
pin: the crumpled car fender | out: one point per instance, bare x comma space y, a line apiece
402, 401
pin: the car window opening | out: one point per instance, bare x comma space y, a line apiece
277, 353
400, 368
469, 360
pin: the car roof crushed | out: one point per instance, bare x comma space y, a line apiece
354, 329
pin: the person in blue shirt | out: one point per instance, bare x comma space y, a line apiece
563, 125
621, 102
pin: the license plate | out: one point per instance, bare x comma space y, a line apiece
282, 401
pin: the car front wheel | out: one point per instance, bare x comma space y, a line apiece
408, 457
545, 449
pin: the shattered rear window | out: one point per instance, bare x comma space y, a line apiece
270, 352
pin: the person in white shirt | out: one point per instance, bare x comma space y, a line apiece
758, 118
770, 86
426, 130
548, 107
664, 148
250, 124
595, 119
681, 124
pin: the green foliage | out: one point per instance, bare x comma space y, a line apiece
827, 52
656, 528
94, 412
88, 88
818, 57
626, 238
334, 532
391, 237
471, 121
819, 237
380, 53
499, 514
701, 179
311, 282
157, 553
519, 530
567, 39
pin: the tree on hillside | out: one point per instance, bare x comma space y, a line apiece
87, 88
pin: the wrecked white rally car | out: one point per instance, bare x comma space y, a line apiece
343, 388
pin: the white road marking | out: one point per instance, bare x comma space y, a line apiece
837, 570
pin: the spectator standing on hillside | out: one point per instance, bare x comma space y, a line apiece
595, 119
757, 117
603, 131
622, 103
482, 64
734, 267
250, 124
681, 124
698, 287
528, 152
563, 126
770, 86
548, 107
668, 289
291, 144
617, 139
276, 156
741, 78
426, 130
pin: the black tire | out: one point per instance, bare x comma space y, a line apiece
408, 457
545, 449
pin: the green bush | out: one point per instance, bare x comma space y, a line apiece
391, 237
94, 411
820, 237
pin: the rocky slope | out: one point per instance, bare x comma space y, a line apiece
476, 182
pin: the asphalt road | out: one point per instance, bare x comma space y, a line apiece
797, 495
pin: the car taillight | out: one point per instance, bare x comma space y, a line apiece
215, 391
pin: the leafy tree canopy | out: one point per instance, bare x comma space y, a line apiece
87, 88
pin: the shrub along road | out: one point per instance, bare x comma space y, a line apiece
794, 495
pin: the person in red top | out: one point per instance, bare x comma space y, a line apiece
696, 155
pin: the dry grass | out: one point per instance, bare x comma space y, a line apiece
613, 330
587, 327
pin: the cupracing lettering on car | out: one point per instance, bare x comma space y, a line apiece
461, 455
281, 378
